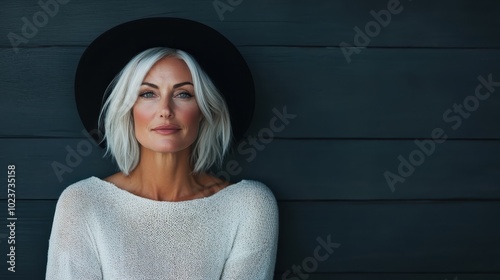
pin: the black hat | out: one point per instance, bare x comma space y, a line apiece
105, 57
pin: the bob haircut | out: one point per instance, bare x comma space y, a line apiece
214, 134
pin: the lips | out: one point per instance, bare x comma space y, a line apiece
166, 129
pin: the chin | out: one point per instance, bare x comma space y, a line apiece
166, 148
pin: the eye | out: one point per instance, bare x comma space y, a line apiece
184, 95
147, 94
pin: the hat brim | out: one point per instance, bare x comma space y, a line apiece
107, 55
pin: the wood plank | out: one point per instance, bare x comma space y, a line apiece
293, 169
446, 238
395, 276
387, 93
463, 23
394, 236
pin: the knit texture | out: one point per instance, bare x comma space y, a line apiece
103, 232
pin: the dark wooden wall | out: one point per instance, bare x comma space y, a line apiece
352, 121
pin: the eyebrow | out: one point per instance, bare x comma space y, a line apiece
175, 86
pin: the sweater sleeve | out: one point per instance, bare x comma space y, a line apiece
72, 253
253, 254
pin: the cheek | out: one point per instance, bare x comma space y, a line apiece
192, 115
142, 116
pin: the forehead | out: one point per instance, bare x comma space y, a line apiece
169, 68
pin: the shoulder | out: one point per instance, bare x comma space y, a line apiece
256, 209
79, 187
255, 189
78, 193
255, 195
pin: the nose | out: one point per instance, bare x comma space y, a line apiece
166, 108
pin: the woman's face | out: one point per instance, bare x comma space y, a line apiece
166, 114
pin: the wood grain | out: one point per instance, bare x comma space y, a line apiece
385, 93
373, 237
326, 165
424, 23
293, 169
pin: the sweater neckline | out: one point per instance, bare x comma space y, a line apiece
183, 202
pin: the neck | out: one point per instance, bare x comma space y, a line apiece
165, 176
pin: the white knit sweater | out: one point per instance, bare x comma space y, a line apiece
103, 232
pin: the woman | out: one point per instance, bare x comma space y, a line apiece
163, 216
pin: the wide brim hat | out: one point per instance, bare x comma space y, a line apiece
107, 55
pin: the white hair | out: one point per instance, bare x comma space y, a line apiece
214, 135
